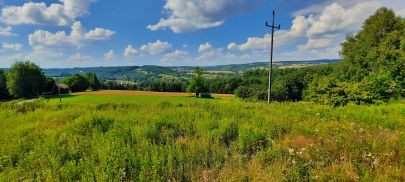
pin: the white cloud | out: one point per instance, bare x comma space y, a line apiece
335, 18
401, 13
44, 53
298, 28
185, 16
204, 47
317, 43
321, 32
157, 47
13, 47
319, 5
130, 51
232, 46
80, 58
77, 37
309, 54
109, 55
7, 31
99, 34
175, 56
64, 13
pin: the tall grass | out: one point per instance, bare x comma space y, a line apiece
108, 138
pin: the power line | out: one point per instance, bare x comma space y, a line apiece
271, 55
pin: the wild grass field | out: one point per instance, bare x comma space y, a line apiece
154, 138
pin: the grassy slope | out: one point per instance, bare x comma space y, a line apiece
182, 138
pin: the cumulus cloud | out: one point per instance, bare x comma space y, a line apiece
109, 55
298, 29
176, 55
204, 47
336, 18
77, 37
130, 51
99, 34
309, 54
7, 31
64, 13
13, 47
232, 46
185, 16
157, 47
320, 31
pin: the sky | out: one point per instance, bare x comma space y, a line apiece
90, 33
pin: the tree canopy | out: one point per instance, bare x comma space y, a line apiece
3, 86
25, 80
77, 83
94, 83
198, 83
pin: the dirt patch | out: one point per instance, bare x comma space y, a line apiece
144, 93
301, 141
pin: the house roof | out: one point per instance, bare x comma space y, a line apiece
62, 86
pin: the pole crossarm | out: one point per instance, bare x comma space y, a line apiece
271, 55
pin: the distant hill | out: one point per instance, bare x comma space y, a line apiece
153, 73
248, 66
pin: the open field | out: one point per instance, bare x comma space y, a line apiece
116, 137
144, 93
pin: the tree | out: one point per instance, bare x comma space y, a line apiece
3, 86
198, 84
94, 83
25, 80
50, 85
77, 83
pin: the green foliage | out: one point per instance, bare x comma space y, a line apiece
163, 86
372, 65
224, 85
50, 85
94, 83
4, 95
77, 83
25, 80
198, 84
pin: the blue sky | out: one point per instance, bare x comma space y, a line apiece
82, 33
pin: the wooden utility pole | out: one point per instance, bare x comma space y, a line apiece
271, 55
57, 86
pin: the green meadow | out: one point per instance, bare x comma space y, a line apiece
138, 138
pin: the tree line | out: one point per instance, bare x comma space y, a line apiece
27, 80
